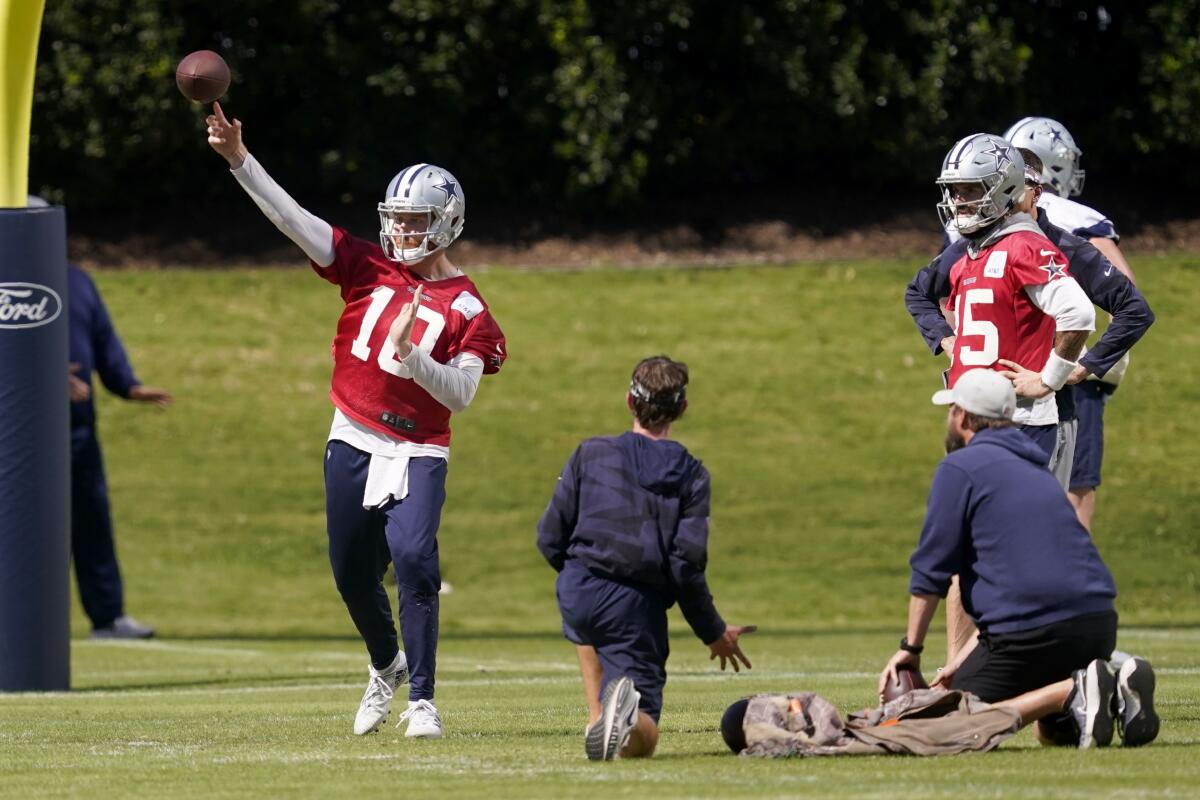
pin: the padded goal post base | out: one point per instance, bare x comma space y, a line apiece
35, 490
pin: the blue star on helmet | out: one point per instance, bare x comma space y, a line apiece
1053, 269
448, 186
1055, 135
1000, 153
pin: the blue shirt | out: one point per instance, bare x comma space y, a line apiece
94, 345
635, 509
999, 520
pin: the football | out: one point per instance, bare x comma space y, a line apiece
202, 76
907, 680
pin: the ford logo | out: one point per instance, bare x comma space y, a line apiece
28, 305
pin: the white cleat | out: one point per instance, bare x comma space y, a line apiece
423, 720
377, 699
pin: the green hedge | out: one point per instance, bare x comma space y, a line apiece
590, 106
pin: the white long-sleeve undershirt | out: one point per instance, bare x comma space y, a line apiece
1065, 300
452, 384
311, 233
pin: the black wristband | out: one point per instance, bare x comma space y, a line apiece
915, 649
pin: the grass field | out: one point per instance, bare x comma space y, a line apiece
809, 404
271, 717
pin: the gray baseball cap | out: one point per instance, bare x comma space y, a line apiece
984, 392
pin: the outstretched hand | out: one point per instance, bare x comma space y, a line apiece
401, 331
226, 137
160, 397
726, 646
150, 394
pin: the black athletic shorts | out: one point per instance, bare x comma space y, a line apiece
1004, 665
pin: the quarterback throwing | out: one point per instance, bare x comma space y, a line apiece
414, 339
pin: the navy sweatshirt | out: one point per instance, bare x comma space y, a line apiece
998, 519
1105, 285
94, 346
635, 510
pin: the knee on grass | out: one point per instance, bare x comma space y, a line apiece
643, 739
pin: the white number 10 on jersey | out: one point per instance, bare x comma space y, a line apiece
386, 359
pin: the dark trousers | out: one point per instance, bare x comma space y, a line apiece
625, 623
92, 547
363, 541
1004, 665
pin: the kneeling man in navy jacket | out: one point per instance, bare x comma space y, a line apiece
1032, 580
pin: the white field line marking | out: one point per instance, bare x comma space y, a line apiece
539, 680
498, 681
170, 647
462, 662
1189, 634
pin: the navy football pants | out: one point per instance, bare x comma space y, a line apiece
92, 547
625, 623
363, 541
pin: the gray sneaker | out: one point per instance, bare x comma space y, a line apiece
123, 627
618, 717
1136, 719
1091, 704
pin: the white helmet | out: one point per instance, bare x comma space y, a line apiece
998, 169
421, 189
1056, 147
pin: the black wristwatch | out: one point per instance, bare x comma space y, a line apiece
915, 649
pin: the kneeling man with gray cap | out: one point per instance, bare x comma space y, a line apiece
1032, 580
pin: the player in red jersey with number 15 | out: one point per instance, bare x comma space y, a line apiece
1013, 300
412, 343
1016, 309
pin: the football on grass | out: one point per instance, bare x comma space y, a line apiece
202, 76
907, 680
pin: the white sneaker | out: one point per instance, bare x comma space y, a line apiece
618, 717
423, 720
377, 699
1091, 704
1136, 720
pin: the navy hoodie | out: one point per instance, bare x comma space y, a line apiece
999, 520
94, 346
635, 509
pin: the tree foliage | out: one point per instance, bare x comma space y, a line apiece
588, 106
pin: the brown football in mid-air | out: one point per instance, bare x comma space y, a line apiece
908, 679
202, 76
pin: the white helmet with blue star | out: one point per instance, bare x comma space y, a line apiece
422, 202
983, 177
1056, 147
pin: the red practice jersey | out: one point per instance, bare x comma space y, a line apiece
370, 385
995, 318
